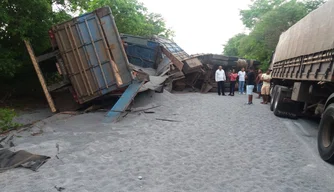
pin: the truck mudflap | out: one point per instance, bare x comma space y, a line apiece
283, 106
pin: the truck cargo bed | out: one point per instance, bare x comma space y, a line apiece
93, 54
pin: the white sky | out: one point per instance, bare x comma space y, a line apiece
201, 26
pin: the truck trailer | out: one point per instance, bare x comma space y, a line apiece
302, 74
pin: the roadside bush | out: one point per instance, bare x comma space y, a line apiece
6, 119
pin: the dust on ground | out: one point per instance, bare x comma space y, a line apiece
215, 144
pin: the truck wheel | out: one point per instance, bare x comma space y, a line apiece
326, 135
273, 97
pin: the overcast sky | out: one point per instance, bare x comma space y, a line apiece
200, 26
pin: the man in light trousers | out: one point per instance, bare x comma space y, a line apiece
242, 75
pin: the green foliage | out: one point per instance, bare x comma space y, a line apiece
6, 119
231, 47
52, 78
133, 18
267, 19
312, 4
251, 16
21, 20
24, 20
31, 19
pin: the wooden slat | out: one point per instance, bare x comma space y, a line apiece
40, 76
47, 56
174, 60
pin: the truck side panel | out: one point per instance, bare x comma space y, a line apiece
90, 65
142, 52
114, 44
313, 67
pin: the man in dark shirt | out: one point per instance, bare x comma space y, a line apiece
250, 85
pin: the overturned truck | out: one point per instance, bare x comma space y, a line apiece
163, 57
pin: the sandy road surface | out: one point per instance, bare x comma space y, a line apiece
219, 145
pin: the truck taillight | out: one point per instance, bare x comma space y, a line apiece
51, 34
74, 94
52, 39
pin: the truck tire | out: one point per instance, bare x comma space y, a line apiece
277, 101
281, 108
273, 97
326, 135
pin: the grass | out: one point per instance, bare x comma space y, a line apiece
6, 119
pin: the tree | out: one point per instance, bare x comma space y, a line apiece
23, 19
231, 48
267, 19
256, 10
312, 4
133, 17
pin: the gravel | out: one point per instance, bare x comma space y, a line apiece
214, 143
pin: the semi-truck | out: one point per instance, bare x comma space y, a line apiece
302, 74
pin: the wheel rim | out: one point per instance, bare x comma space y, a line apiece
328, 132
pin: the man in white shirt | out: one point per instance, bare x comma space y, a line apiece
220, 79
241, 75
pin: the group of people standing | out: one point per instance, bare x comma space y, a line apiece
262, 82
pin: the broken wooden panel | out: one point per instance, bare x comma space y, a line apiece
175, 53
192, 65
179, 85
206, 87
176, 61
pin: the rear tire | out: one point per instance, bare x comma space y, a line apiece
273, 97
326, 135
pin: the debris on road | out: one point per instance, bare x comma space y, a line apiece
149, 112
7, 141
145, 109
169, 120
37, 133
10, 160
59, 188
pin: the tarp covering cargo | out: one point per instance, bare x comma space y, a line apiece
93, 55
306, 50
314, 33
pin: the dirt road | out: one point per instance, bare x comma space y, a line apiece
217, 144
